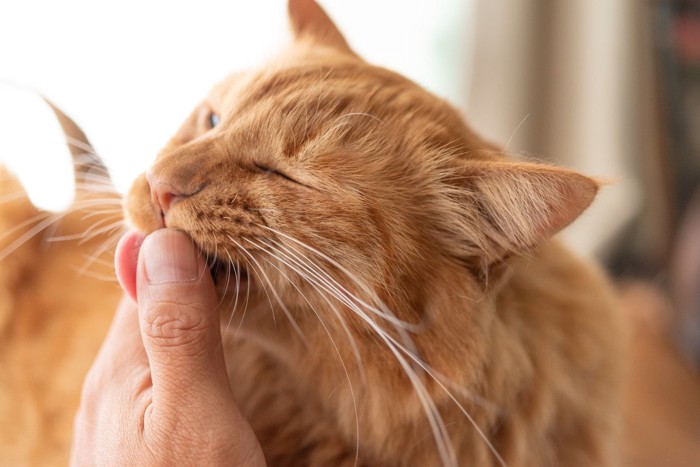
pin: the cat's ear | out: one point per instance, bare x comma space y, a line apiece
517, 205
309, 20
88, 168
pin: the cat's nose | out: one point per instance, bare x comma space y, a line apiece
163, 193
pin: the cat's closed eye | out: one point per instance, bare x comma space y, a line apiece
269, 170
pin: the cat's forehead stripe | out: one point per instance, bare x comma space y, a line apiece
313, 80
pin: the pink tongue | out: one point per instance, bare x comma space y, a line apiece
126, 259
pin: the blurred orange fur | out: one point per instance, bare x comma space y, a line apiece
529, 337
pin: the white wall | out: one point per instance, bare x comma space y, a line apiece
128, 72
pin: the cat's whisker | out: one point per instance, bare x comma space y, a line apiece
236, 291
94, 231
311, 276
106, 246
434, 418
398, 349
337, 351
228, 278
344, 296
95, 212
284, 308
94, 275
266, 209
41, 221
360, 114
98, 261
89, 233
91, 189
347, 298
385, 313
8, 198
512, 135
258, 273
83, 146
262, 274
98, 179
247, 297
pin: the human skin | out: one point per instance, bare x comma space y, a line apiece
158, 391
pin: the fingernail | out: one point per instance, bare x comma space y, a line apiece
169, 256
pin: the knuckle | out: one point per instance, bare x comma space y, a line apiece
173, 325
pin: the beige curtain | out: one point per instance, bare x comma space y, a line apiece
571, 82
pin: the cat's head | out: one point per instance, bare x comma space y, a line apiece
322, 164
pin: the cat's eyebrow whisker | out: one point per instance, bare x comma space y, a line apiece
360, 114
330, 131
512, 135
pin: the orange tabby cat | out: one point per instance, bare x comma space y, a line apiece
396, 300
57, 298
391, 293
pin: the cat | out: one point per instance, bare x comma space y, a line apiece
396, 297
391, 294
57, 298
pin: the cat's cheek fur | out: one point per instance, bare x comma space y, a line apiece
140, 212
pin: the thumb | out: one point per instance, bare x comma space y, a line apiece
178, 319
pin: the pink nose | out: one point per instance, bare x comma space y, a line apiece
163, 194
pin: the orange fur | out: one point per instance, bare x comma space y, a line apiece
415, 216
391, 254
52, 321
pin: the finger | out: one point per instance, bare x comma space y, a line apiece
121, 356
178, 318
125, 261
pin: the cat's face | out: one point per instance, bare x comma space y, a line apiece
323, 164
318, 152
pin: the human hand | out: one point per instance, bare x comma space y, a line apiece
158, 392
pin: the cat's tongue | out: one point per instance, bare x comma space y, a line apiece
126, 258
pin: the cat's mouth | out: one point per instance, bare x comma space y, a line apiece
227, 275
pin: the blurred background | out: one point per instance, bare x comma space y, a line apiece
608, 87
